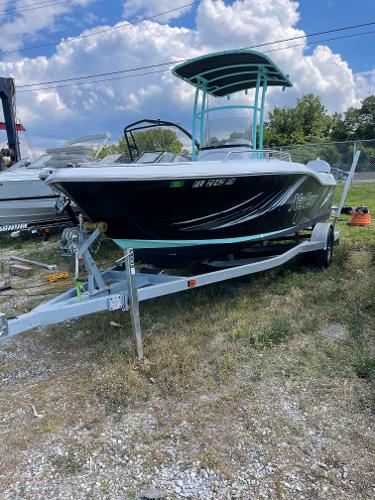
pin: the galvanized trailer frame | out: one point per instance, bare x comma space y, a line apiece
117, 289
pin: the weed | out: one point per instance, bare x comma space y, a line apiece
281, 491
104, 487
224, 363
165, 432
272, 334
120, 383
365, 368
237, 334
70, 463
211, 459
131, 494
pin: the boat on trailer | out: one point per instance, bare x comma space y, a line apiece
213, 185
27, 203
231, 194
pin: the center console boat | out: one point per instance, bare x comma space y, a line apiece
227, 193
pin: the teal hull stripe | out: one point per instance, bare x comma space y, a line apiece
188, 243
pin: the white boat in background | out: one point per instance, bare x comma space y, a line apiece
26, 201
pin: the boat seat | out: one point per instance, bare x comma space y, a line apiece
319, 166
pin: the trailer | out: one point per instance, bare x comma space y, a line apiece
123, 287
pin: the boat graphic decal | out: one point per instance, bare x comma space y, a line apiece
276, 201
234, 217
230, 214
327, 198
302, 201
270, 204
221, 212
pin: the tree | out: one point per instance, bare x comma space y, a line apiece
156, 139
338, 130
308, 121
357, 123
281, 128
312, 117
366, 128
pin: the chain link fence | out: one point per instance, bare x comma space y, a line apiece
340, 156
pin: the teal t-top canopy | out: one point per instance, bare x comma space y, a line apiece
223, 73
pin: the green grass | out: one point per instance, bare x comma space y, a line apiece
361, 192
224, 359
203, 337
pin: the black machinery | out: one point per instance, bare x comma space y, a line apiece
8, 99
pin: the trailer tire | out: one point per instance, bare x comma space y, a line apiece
323, 258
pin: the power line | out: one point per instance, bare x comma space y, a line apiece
352, 35
6, 3
334, 30
124, 25
16, 1
317, 42
97, 81
106, 30
35, 6
150, 66
167, 63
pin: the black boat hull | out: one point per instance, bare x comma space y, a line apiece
175, 222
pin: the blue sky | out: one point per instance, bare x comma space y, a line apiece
315, 15
319, 15
342, 72
322, 15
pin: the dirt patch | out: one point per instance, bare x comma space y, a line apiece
335, 331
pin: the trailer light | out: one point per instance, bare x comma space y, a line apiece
192, 283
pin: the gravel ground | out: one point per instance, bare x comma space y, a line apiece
252, 439
260, 434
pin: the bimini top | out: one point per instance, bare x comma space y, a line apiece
223, 73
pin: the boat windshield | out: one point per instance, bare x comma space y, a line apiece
156, 141
161, 157
227, 131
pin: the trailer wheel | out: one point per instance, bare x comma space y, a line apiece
323, 258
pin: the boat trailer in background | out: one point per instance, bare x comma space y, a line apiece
122, 287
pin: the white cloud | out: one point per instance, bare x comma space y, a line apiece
365, 83
98, 107
109, 106
16, 27
247, 23
148, 8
